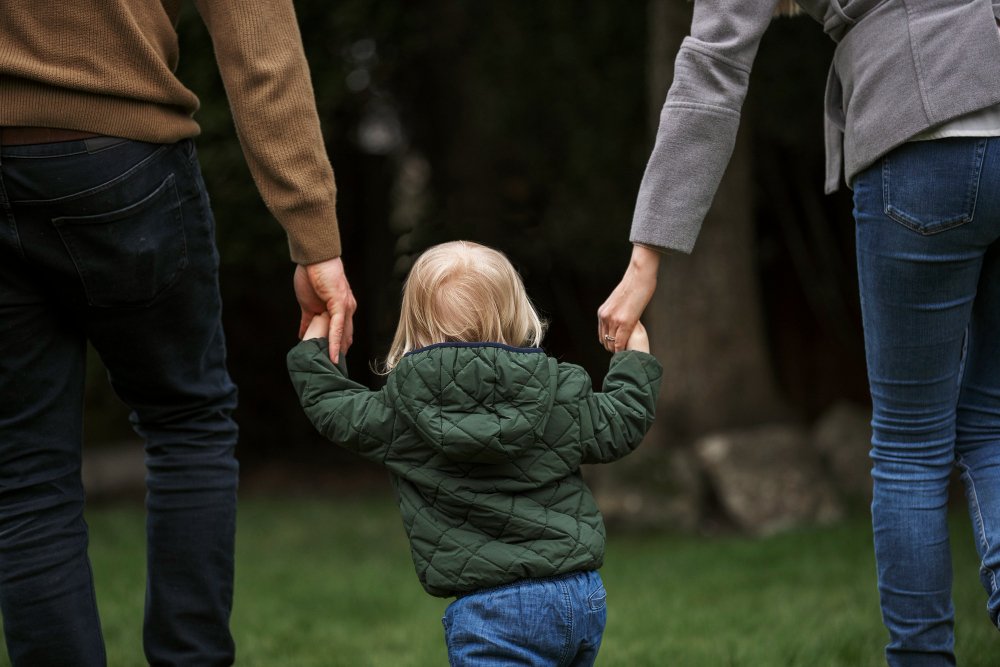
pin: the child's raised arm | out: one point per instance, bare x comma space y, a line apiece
638, 340
319, 327
622, 413
341, 409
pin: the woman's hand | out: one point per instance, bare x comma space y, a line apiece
618, 316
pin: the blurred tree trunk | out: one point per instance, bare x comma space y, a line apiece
706, 318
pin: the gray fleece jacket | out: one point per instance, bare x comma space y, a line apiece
900, 67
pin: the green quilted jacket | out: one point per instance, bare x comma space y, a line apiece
484, 444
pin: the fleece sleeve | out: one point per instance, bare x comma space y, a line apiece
342, 410
617, 418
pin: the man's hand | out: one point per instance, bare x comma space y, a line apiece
323, 288
618, 315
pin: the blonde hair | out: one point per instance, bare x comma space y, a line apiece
787, 8
463, 292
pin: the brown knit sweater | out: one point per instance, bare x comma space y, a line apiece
107, 66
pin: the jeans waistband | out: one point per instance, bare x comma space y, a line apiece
517, 582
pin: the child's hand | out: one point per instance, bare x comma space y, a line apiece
638, 340
319, 327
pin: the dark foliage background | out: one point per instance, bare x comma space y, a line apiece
524, 126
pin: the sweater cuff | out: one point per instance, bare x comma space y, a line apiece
313, 235
650, 364
304, 351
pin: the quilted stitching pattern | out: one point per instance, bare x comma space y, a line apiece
484, 446
471, 407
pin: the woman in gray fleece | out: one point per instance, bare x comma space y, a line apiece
913, 126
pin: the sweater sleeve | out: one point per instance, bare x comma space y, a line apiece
342, 410
699, 120
263, 66
619, 416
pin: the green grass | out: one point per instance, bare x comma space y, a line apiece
329, 582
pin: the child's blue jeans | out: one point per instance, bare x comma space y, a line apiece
555, 621
928, 234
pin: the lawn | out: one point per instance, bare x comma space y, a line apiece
329, 582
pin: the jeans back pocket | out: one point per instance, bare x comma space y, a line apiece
932, 186
598, 600
128, 256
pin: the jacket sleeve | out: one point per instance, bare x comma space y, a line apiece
342, 410
698, 123
263, 65
616, 419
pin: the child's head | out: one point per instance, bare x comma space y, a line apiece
463, 292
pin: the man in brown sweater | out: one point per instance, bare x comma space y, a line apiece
106, 235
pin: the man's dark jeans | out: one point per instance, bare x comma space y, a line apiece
112, 241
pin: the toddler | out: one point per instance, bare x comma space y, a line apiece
483, 435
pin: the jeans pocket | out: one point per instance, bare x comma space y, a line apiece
932, 186
598, 600
130, 255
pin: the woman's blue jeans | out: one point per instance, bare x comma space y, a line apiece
112, 241
928, 224
552, 621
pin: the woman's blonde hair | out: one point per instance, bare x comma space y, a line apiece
463, 292
787, 8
